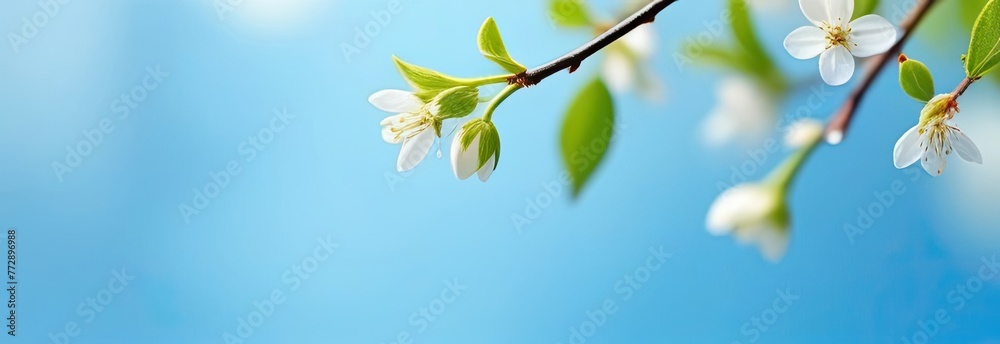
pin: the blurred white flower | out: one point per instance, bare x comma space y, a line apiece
744, 113
804, 132
755, 214
625, 63
475, 150
934, 138
835, 38
409, 127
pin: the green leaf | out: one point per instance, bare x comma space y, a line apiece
587, 131
864, 7
428, 83
984, 50
491, 45
755, 59
569, 13
916, 80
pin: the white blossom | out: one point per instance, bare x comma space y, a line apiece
834, 38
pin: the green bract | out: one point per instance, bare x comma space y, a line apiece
984, 49
916, 79
427, 83
491, 45
587, 132
455, 102
489, 141
569, 13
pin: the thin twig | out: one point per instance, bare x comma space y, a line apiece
573, 59
960, 90
838, 126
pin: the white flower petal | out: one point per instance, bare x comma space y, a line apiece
871, 35
415, 149
933, 162
487, 170
641, 41
836, 65
806, 42
772, 242
393, 120
964, 146
833, 12
618, 71
396, 101
390, 136
907, 150
464, 162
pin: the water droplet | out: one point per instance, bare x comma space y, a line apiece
439, 153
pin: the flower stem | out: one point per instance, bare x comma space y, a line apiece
510, 89
784, 175
960, 90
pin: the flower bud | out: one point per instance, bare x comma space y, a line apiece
455, 102
476, 149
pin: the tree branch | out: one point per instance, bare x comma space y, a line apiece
838, 126
573, 59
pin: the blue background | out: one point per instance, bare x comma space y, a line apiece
401, 237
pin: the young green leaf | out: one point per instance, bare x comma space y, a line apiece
984, 50
569, 13
428, 83
491, 45
587, 131
750, 50
864, 7
916, 79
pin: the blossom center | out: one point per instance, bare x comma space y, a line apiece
837, 35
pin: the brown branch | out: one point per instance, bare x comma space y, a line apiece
841, 122
573, 59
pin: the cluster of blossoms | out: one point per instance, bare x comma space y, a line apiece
417, 125
757, 213
420, 114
